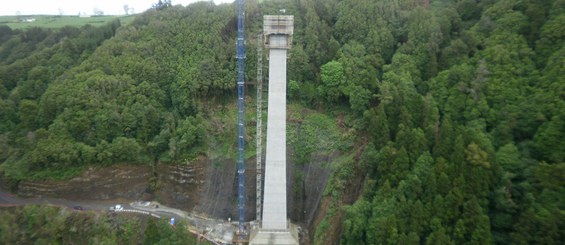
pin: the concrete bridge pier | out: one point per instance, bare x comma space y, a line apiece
275, 227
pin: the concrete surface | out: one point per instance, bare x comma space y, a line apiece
273, 237
274, 202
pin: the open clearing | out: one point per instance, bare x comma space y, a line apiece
58, 21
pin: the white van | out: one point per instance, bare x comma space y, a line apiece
118, 207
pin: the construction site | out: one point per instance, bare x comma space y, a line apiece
272, 225
223, 201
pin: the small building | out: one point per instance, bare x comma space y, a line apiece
83, 15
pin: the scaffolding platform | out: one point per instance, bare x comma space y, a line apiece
281, 26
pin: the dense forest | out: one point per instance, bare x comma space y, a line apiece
457, 107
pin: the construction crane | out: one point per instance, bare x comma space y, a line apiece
241, 114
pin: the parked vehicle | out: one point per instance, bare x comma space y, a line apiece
118, 207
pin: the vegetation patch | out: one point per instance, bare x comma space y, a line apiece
310, 132
59, 21
48, 225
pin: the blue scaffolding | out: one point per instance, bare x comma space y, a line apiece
241, 113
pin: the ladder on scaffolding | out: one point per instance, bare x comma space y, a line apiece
259, 200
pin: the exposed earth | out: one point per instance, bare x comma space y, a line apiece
206, 188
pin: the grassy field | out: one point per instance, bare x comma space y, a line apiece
56, 21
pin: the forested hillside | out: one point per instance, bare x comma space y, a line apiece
457, 107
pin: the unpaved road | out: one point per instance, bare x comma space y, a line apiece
211, 229
8, 199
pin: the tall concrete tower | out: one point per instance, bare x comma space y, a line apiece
275, 228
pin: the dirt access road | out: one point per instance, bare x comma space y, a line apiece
8, 199
212, 229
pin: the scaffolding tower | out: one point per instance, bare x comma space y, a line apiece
259, 200
241, 114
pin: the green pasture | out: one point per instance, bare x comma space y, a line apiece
57, 21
